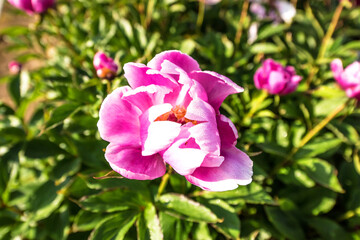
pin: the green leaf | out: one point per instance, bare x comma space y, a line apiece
152, 222
42, 148
265, 48
44, 200
328, 229
321, 172
285, 223
114, 227
86, 221
326, 106
92, 154
271, 30
274, 149
202, 232
14, 89
295, 176
58, 223
111, 201
230, 226
317, 147
59, 114
192, 210
252, 193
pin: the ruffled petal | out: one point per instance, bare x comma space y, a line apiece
159, 135
184, 61
217, 86
42, 5
291, 85
119, 119
227, 130
235, 170
276, 82
23, 5
131, 164
205, 132
337, 68
145, 97
184, 156
138, 74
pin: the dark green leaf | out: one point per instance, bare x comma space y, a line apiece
114, 227
59, 114
192, 210
152, 222
321, 172
112, 201
285, 223
252, 193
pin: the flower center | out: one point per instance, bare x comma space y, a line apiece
177, 114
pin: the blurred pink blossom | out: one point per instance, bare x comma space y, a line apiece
105, 66
348, 78
170, 114
14, 67
275, 78
32, 6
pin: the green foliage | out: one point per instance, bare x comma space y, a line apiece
54, 179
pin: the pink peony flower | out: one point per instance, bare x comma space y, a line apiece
275, 78
170, 114
105, 66
348, 79
14, 67
32, 6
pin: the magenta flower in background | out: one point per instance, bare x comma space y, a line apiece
105, 66
170, 114
32, 6
348, 78
14, 67
275, 78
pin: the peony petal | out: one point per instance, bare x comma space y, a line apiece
184, 156
42, 5
119, 120
337, 68
217, 86
145, 97
156, 136
138, 74
235, 170
227, 130
291, 85
276, 82
184, 61
353, 92
205, 133
131, 164
23, 5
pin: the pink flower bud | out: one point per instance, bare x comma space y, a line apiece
348, 78
105, 66
14, 67
275, 78
32, 6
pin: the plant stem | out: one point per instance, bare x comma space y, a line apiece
330, 30
108, 86
308, 137
164, 181
241, 22
201, 13
325, 40
149, 11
